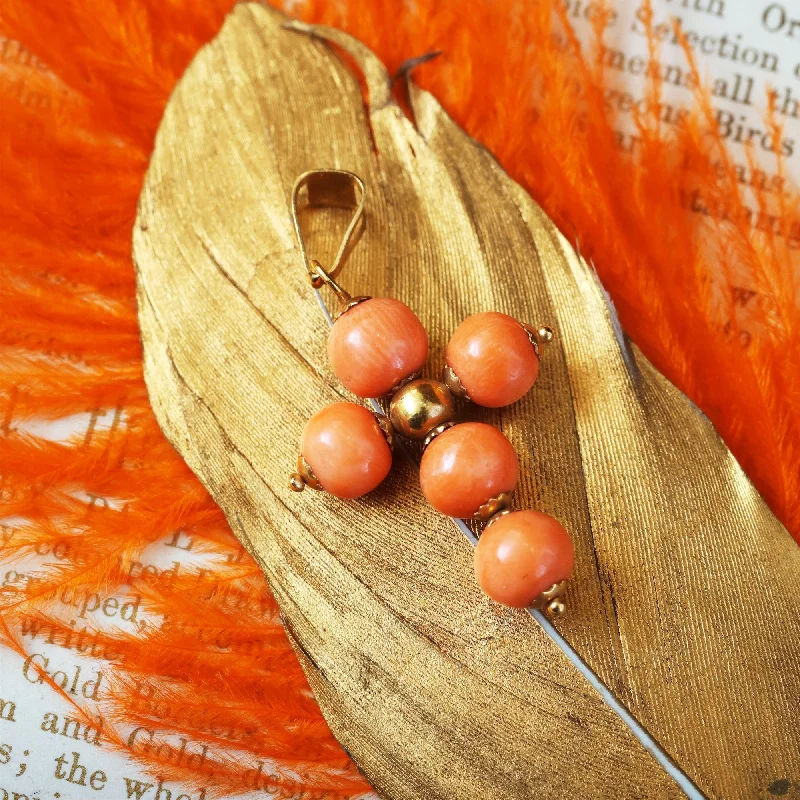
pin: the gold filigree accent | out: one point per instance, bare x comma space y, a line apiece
539, 337
496, 516
386, 426
493, 507
436, 431
304, 477
414, 376
551, 600
453, 383
351, 303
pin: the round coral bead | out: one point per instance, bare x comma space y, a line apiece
522, 554
375, 345
346, 449
465, 466
493, 358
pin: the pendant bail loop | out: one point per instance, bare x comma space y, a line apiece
329, 188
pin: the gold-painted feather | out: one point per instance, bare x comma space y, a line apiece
685, 598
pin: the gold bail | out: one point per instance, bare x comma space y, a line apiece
329, 188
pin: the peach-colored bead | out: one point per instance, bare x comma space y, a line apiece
375, 345
522, 554
493, 358
346, 449
465, 466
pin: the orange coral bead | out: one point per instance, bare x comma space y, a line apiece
465, 466
493, 358
522, 554
345, 447
375, 345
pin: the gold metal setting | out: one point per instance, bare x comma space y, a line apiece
556, 607
421, 406
436, 431
414, 376
386, 426
551, 599
453, 383
493, 506
330, 188
304, 476
540, 337
352, 302
296, 483
496, 516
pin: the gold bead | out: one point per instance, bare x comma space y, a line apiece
556, 607
545, 334
421, 406
540, 337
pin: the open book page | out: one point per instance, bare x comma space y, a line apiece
748, 53
745, 49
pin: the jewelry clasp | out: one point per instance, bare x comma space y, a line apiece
329, 188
